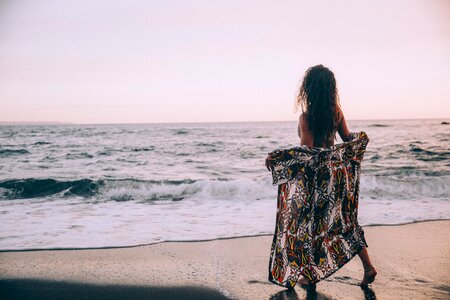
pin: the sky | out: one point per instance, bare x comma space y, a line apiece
142, 61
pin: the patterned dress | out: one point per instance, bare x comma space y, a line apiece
317, 230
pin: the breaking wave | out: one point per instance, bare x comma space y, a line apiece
140, 190
373, 187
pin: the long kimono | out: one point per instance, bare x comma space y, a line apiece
317, 230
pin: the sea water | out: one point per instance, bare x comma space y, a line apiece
79, 186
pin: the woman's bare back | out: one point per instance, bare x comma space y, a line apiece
307, 137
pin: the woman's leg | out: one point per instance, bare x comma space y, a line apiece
369, 269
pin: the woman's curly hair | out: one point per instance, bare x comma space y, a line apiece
319, 100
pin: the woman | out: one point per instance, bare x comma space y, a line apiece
321, 118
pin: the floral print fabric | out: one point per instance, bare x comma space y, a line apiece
317, 230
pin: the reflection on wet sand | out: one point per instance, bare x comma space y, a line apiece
291, 294
312, 294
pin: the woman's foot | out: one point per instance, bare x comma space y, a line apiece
305, 283
369, 276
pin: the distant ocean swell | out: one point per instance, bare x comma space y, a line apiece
416, 150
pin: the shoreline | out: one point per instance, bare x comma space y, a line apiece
193, 241
412, 261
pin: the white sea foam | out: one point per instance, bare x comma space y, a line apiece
408, 187
147, 213
208, 190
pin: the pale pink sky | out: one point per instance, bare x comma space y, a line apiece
198, 61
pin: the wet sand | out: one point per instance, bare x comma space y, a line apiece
413, 262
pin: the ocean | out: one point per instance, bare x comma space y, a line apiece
85, 186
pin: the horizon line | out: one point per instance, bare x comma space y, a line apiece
6, 123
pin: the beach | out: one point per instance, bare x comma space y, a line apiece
413, 262
223, 149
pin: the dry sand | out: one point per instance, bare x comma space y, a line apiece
413, 262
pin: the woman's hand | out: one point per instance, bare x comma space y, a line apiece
269, 165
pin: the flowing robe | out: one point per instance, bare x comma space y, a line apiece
317, 230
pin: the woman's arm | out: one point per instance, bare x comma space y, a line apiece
306, 138
343, 129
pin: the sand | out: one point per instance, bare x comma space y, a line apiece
413, 262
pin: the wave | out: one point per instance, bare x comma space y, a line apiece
409, 187
170, 190
140, 190
379, 125
144, 149
35, 188
12, 152
428, 155
162, 191
78, 155
180, 131
42, 143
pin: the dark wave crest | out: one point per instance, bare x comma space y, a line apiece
12, 152
43, 187
34, 188
379, 125
130, 189
429, 155
42, 143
